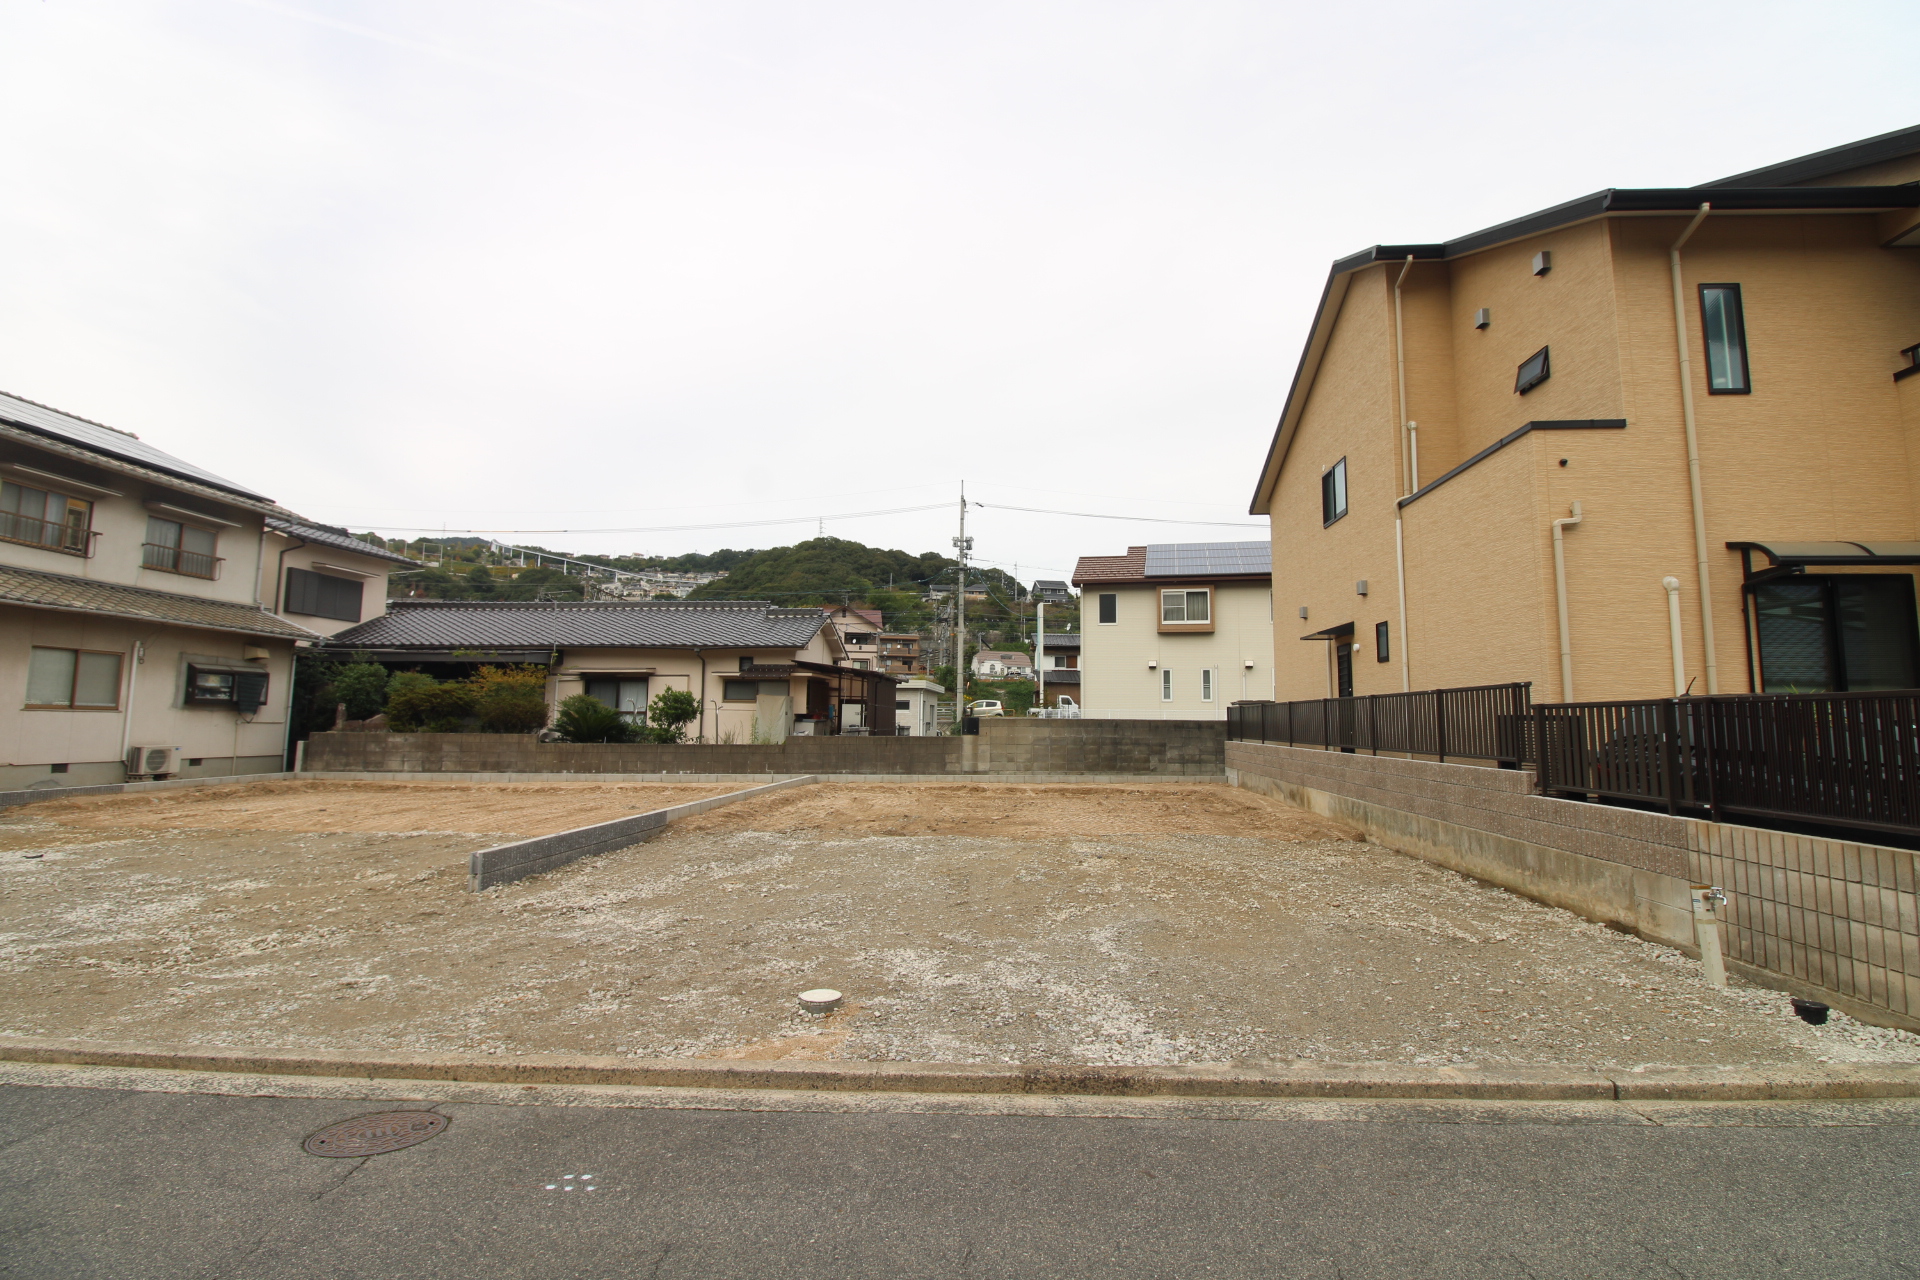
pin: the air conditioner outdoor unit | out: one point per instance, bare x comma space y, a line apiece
149, 762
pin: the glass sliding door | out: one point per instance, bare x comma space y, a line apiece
1837, 633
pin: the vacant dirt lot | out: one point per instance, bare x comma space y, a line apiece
1144, 924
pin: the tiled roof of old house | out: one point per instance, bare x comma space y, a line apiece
82, 595
339, 539
622, 624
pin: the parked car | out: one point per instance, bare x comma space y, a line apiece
985, 707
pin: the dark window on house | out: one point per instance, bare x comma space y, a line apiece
741, 690
1380, 646
246, 691
41, 518
1837, 633
1333, 492
1724, 324
628, 697
1109, 608
180, 548
1534, 370
321, 595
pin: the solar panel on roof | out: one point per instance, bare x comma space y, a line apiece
91, 435
1195, 559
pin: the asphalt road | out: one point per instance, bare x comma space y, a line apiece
125, 1184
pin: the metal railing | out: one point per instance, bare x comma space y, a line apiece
194, 564
54, 535
1480, 722
1846, 759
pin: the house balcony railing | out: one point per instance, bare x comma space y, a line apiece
1844, 760
194, 564
52, 535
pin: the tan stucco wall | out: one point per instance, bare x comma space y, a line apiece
1116, 683
32, 740
284, 553
1825, 448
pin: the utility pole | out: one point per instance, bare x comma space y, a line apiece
961, 546
1040, 654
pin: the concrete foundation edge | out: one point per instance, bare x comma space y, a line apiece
1266, 1080
505, 863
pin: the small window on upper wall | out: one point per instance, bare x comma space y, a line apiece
1724, 324
1534, 370
1333, 492
1185, 606
1381, 647
1109, 608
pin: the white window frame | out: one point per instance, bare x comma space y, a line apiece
1166, 684
1206, 684
1186, 595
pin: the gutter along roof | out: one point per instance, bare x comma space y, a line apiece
1614, 201
1897, 145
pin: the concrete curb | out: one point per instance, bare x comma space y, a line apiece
1265, 1080
505, 863
34, 795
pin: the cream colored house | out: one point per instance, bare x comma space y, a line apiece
860, 631
135, 620
323, 578
759, 672
1174, 631
916, 707
1500, 460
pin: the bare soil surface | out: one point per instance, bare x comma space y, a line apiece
982, 923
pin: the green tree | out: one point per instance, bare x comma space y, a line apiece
362, 686
669, 715
543, 584
510, 699
1018, 696
583, 718
480, 580
435, 708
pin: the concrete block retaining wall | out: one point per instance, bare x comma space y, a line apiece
1823, 918
1161, 748
505, 863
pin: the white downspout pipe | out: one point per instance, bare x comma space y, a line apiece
1693, 452
1410, 458
1560, 600
1672, 584
126, 721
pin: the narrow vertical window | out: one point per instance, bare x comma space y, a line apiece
1724, 324
1109, 608
1380, 646
1333, 492
1166, 685
1206, 684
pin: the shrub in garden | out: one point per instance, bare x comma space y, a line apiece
669, 714
430, 708
510, 699
583, 718
362, 686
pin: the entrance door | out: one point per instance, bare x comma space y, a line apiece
1343, 666
1837, 633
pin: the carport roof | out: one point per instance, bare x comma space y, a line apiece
636, 624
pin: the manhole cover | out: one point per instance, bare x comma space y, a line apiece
375, 1134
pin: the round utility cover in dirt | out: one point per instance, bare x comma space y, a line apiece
375, 1134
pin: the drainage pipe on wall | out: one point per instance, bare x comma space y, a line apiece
1693, 451
1411, 463
1560, 599
1672, 584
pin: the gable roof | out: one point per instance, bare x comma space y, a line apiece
1131, 567
1186, 561
97, 437
59, 592
1614, 201
326, 535
610, 624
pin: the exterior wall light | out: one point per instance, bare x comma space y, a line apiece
1152, 665
1249, 664
1543, 262
1483, 317
1360, 587
1303, 613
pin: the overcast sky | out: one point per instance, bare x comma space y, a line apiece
585, 265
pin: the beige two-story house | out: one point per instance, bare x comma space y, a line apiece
1174, 631
137, 629
1644, 442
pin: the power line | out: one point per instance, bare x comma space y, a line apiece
1089, 515
681, 528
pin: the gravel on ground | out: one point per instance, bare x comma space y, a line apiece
1126, 924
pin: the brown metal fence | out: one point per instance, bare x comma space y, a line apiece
1482, 722
1845, 759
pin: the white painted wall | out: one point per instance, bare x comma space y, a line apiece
1116, 682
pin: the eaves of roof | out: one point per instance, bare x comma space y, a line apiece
1618, 201
57, 591
647, 624
339, 539
119, 466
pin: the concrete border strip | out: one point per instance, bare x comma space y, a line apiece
505, 863
842, 779
1296, 1079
